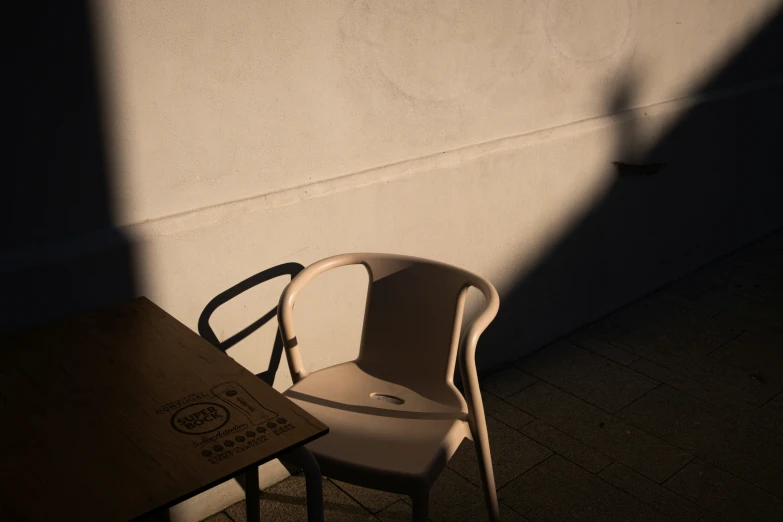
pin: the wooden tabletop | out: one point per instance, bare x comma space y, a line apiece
113, 414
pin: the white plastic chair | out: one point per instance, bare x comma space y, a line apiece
394, 414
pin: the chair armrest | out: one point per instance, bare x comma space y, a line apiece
285, 308
467, 352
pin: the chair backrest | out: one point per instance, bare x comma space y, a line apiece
411, 323
412, 318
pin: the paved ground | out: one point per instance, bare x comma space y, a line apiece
668, 409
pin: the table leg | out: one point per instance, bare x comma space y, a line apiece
252, 508
303, 458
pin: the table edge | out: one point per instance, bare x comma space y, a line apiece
228, 477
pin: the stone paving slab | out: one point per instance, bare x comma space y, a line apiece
683, 334
372, 499
715, 375
758, 327
512, 454
286, 501
759, 357
662, 499
615, 438
507, 382
566, 446
748, 451
741, 305
603, 348
218, 517
724, 494
731, 396
592, 378
398, 512
505, 412
452, 498
559, 490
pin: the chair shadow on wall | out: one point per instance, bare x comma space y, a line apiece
206, 331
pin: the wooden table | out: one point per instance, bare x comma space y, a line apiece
114, 414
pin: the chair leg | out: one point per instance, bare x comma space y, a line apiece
252, 508
304, 458
421, 506
487, 475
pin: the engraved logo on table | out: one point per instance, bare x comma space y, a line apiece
217, 439
200, 418
183, 401
236, 396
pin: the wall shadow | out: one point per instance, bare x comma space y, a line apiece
711, 184
61, 253
206, 331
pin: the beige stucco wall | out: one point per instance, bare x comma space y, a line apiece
218, 101
247, 134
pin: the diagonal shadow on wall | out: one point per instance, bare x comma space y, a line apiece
709, 185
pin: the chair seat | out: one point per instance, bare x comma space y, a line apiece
373, 440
